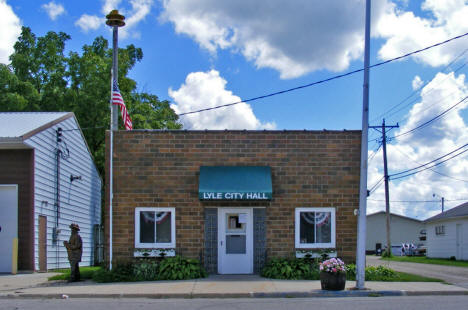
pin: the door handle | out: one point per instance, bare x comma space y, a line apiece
221, 242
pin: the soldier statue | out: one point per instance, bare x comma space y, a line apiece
74, 249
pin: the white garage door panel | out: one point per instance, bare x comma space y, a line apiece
8, 224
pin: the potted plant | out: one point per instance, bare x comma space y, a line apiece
333, 274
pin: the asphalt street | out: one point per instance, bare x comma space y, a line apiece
361, 303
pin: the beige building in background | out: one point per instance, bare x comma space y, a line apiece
402, 230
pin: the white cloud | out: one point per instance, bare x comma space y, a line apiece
207, 89
292, 37
53, 9
10, 29
424, 145
417, 82
89, 22
405, 32
133, 16
298, 37
110, 5
140, 9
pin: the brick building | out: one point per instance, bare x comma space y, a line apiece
234, 198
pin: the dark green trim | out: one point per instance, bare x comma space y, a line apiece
235, 183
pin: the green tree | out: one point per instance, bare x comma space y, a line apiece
42, 78
16, 95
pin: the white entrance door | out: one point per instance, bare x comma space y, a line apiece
459, 242
235, 241
8, 224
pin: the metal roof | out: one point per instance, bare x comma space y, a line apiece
394, 214
19, 124
461, 210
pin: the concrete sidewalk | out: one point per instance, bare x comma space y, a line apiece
37, 286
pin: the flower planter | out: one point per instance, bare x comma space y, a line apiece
333, 281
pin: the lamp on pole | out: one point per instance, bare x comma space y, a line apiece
115, 20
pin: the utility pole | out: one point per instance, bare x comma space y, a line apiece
442, 200
115, 20
361, 226
386, 178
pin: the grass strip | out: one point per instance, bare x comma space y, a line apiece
409, 277
427, 260
85, 273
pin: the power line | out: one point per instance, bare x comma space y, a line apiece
416, 201
369, 159
432, 161
86, 128
437, 164
412, 201
432, 119
428, 92
376, 185
435, 171
324, 80
420, 88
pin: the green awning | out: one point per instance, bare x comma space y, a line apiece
235, 183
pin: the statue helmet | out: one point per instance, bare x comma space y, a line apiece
74, 226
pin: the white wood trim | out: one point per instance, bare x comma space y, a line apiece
155, 245
154, 253
314, 245
314, 254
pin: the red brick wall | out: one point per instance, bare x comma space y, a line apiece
16, 167
309, 169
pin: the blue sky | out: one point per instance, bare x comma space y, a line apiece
202, 53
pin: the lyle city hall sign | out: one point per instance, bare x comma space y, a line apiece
234, 196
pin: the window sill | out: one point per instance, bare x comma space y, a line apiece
154, 253
314, 253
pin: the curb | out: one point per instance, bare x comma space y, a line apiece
310, 294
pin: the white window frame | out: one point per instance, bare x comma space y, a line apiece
156, 245
315, 245
440, 230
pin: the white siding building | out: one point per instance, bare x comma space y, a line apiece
447, 234
402, 230
46, 163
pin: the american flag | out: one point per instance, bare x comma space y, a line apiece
117, 99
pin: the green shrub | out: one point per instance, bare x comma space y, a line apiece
387, 253
380, 273
146, 271
178, 268
291, 269
122, 272
350, 272
174, 268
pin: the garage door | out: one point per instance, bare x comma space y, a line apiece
8, 224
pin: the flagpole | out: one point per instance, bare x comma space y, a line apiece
115, 20
111, 193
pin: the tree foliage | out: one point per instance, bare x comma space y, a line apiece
42, 78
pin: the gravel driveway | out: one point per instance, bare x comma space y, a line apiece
450, 274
